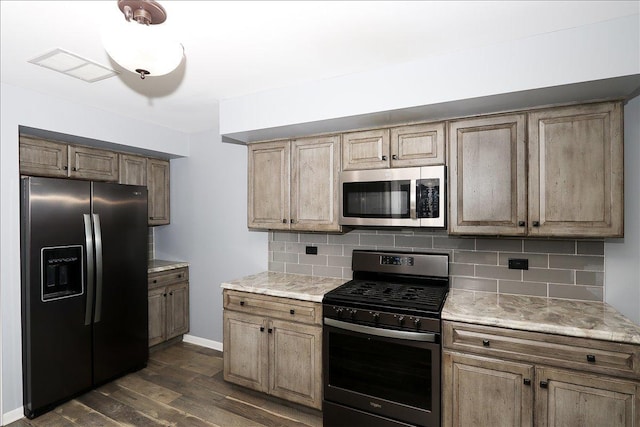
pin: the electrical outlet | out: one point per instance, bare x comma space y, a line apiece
311, 250
518, 263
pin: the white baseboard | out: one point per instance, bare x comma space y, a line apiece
203, 342
11, 416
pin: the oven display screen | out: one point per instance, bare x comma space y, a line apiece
396, 260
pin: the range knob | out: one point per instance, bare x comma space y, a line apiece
338, 311
416, 322
400, 320
376, 317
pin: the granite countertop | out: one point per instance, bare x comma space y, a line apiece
556, 316
295, 286
158, 265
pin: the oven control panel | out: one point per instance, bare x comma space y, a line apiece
396, 260
381, 319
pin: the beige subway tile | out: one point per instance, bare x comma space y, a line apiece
475, 284
324, 271
454, 242
468, 257
593, 278
585, 293
276, 266
548, 275
285, 257
421, 241
497, 272
456, 269
550, 246
344, 239
329, 249
313, 238
535, 260
377, 239
281, 236
500, 245
577, 262
522, 288
298, 269
339, 261
589, 247
312, 259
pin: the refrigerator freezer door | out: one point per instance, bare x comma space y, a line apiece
56, 341
120, 327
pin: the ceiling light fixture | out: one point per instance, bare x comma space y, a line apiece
138, 44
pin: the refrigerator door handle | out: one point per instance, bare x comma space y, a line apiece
98, 233
88, 237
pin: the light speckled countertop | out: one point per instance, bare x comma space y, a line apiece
295, 286
556, 316
158, 265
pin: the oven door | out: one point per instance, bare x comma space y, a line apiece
376, 373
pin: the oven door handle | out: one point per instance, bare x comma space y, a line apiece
380, 332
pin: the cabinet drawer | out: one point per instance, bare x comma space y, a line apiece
576, 353
275, 307
168, 277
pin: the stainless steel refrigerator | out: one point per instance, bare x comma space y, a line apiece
84, 249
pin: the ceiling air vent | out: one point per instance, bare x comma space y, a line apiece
73, 65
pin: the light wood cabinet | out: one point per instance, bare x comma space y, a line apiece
158, 172
133, 170
293, 185
403, 146
576, 171
168, 305
273, 345
49, 158
529, 378
569, 184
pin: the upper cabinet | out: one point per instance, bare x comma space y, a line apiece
293, 185
576, 171
563, 178
47, 158
158, 185
133, 170
405, 146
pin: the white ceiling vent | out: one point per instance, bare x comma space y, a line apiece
73, 65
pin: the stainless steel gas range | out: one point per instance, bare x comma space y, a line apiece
381, 341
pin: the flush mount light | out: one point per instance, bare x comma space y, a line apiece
139, 44
73, 65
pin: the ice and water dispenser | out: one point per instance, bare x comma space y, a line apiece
62, 272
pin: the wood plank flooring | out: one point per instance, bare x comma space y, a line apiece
182, 385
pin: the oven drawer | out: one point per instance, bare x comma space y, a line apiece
576, 353
274, 307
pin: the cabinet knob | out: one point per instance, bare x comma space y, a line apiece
171, 293
65, 168
292, 221
486, 343
394, 157
270, 330
521, 223
384, 157
536, 223
164, 295
261, 328
527, 381
179, 276
544, 384
242, 303
591, 358
292, 311
155, 280
284, 220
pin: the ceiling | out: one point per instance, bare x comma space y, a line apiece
234, 48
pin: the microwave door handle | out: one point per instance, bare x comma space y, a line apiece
412, 199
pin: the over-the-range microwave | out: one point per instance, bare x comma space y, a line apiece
406, 197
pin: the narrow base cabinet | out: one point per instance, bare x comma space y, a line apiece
502, 377
168, 305
273, 345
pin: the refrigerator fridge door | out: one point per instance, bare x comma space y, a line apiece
120, 340
56, 339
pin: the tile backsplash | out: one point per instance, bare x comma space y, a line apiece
571, 269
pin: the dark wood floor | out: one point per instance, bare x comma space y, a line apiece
181, 386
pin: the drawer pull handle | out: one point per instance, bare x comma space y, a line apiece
179, 276
521, 223
292, 311
544, 384
536, 223
486, 343
394, 157
171, 293
164, 295
384, 157
242, 303
527, 381
591, 358
261, 328
270, 330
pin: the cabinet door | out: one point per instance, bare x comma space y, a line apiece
157, 316
177, 309
268, 193
487, 176
245, 350
315, 169
93, 163
365, 150
566, 398
43, 158
158, 187
418, 145
295, 359
481, 391
576, 171
133, 170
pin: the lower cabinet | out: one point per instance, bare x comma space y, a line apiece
499, 377
168, 305
273, 345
